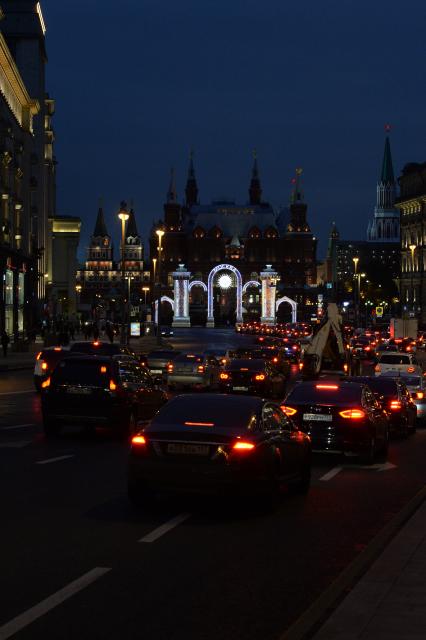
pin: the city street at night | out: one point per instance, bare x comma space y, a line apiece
189, 567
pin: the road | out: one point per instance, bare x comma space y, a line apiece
79, 562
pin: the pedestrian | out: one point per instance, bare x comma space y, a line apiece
4, 342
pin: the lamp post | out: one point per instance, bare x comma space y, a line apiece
160, 234
145, 290
123, 216
355, 261
412, 248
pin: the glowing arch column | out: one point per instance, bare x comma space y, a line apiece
239, 309
181, 297
269, 278
293, 305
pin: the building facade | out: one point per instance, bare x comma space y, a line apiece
412, 205
234, 242
18, 250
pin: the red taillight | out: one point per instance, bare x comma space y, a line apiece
45, 384
420, 394
275, 360
199, 424
103, 369
333, 387
224, 376
139, 440
112, 386
169, 368
38, 356
259, 377
44, 366
57, 349
96, 343
377, 368
411, 369
289, 411
352, 414
200, 368
395, 405
243, 446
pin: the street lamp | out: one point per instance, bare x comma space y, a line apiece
123, 216
145, 290
412, 248
160, 234
355, 260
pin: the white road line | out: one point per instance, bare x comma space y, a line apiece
17, 426
16, 393
24, 619
164, 528
330, 474
15, 445
57, 459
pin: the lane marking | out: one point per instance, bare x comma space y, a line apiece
15, 445
24, 619
16, 393
164, 528
330, 474
18, 426
49, 460
385, 466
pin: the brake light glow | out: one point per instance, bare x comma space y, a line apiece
224, 376
170, 368
352, 414
44, 366
395, 405
289, 411
243, 446
274, 359
45, 384
112, 385
96, 343
411, 369
334, 387
103, 369
200, 368
243, 368
57, 348
38, 356
199, 424
420, 394
260, 376
377, 368
139, 440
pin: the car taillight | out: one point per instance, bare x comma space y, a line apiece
243, 446
44, 366
200, 368
169, 368
377, 368
420, 394
45, 384
352, 414
411, 369
224, 376
289, 411
112, 385
38, 356
96, 343
259, 377
395, 405
301, 365
139, 440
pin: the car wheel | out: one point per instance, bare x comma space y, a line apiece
51, 428
369, 456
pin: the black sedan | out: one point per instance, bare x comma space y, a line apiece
96, 391
204, 443
342, 417
254, 377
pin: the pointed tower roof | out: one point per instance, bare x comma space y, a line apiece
255, 190
171, 193
131, 229
297, 194
387, 175
334, 232
100, 226
191, 189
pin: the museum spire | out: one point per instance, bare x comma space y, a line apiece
171, 193
100, 226
255, 190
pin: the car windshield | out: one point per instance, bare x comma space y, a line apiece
246, 365
325, 393
394, 359
230, 412
85, 372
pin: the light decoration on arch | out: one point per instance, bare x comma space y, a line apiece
225, 281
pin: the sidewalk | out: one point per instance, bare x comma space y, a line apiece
390, 599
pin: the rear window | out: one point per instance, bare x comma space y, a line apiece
394, 359
189, 359
250, 365
96, 374
230, 413
325, 394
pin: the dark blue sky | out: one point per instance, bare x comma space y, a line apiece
310, 84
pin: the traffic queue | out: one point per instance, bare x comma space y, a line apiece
245, 419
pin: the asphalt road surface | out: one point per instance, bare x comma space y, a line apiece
78, 562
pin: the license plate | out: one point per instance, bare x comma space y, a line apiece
188, 449
155, 371
84, 391
318, 417
239, 388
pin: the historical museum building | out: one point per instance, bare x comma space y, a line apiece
225, 246
412, 205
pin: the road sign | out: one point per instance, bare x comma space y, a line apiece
379, 312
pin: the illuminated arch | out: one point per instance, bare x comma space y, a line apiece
293, 305
251, 283
163, 299
213, 272
197, 283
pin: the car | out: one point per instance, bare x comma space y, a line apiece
277, 358
115, 392
361, 347
391, 393
157, 361
166, 331
416, 386
193, 370
219, 444
340, 417
221, 355
45, 362
252, 376
397, 362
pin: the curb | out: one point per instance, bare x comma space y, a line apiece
313, 618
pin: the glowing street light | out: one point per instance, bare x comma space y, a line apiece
123, 216
160, 234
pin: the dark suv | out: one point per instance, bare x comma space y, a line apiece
99, 391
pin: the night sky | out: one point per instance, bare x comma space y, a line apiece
137, 83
